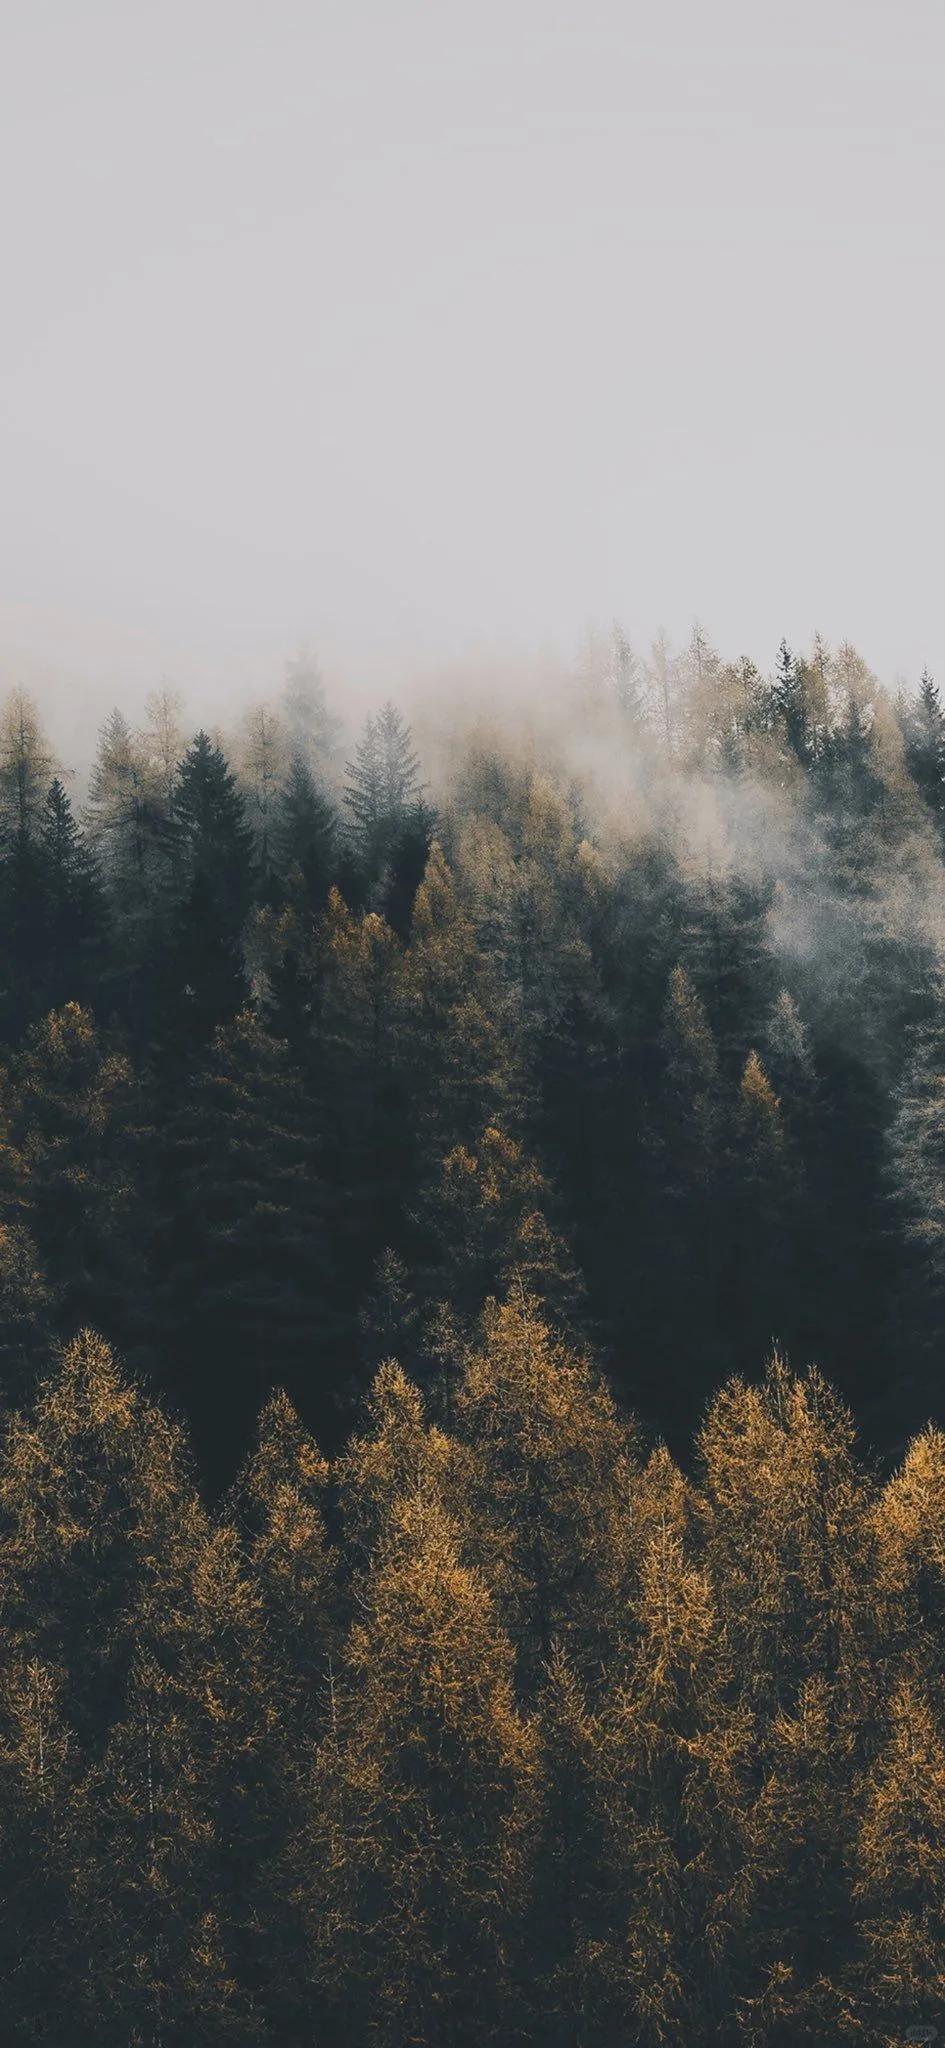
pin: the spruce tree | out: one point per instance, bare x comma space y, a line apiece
383, 792
303, 832
212, 837
74, 905
925, 745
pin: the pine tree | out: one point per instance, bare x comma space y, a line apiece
303, 833
213, 838
668, 1765
74, 906
925, 745
626, 680
70, 1105
240, 1264
554, 1470
163, 740
200, 978
127, 826
461, 1057
793, 1557
383, 792
900, 1878
415, 1855
398, 1456
263, 764
789, 699
278, 1507
312, 729
37, 1853
99, 1520
488, 1219
26, 764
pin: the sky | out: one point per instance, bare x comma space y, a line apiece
416, 326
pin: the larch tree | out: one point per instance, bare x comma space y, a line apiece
416, 1851
554, 1469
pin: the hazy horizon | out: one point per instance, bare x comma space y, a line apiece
413, 331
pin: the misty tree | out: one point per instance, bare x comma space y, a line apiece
787, 692
625, 677
383, 790
304, 829
262, 762
924, 735
312, 730
126, 821
163, 738
212, 834
26, 764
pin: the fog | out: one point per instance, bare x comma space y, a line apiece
427, 332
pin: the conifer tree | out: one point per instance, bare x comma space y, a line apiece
554, 1468
263, 764
416, 1851
163, 740
669, 1763
398, 1456
69, 1105
26, 765
213, 838
37, 1854
899, 1888
278, 1506
240, 1261
383, 793
311, 727
303, 833
925, 745
74, 909
463, 1062
127, 826
200, 976
98, 1526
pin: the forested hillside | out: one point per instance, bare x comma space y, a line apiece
472, 1491
638, 996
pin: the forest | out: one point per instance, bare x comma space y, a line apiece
472, 1290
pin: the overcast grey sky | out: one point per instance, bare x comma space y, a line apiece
403, 322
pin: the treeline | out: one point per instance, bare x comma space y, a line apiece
303, 1055
506, 1732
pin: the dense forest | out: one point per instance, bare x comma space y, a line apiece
472, 1288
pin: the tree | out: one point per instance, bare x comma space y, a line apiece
68, 1106
240, 1263
263, 764
900, 1880
488, 1217
74, 906
26, 764
312, 729
127, 826
925, 745
415, 1848
790, 705
278, 1507
303, 832
199, 975
213, 838
553, 1474
163, 739
382, 792
667, 1770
